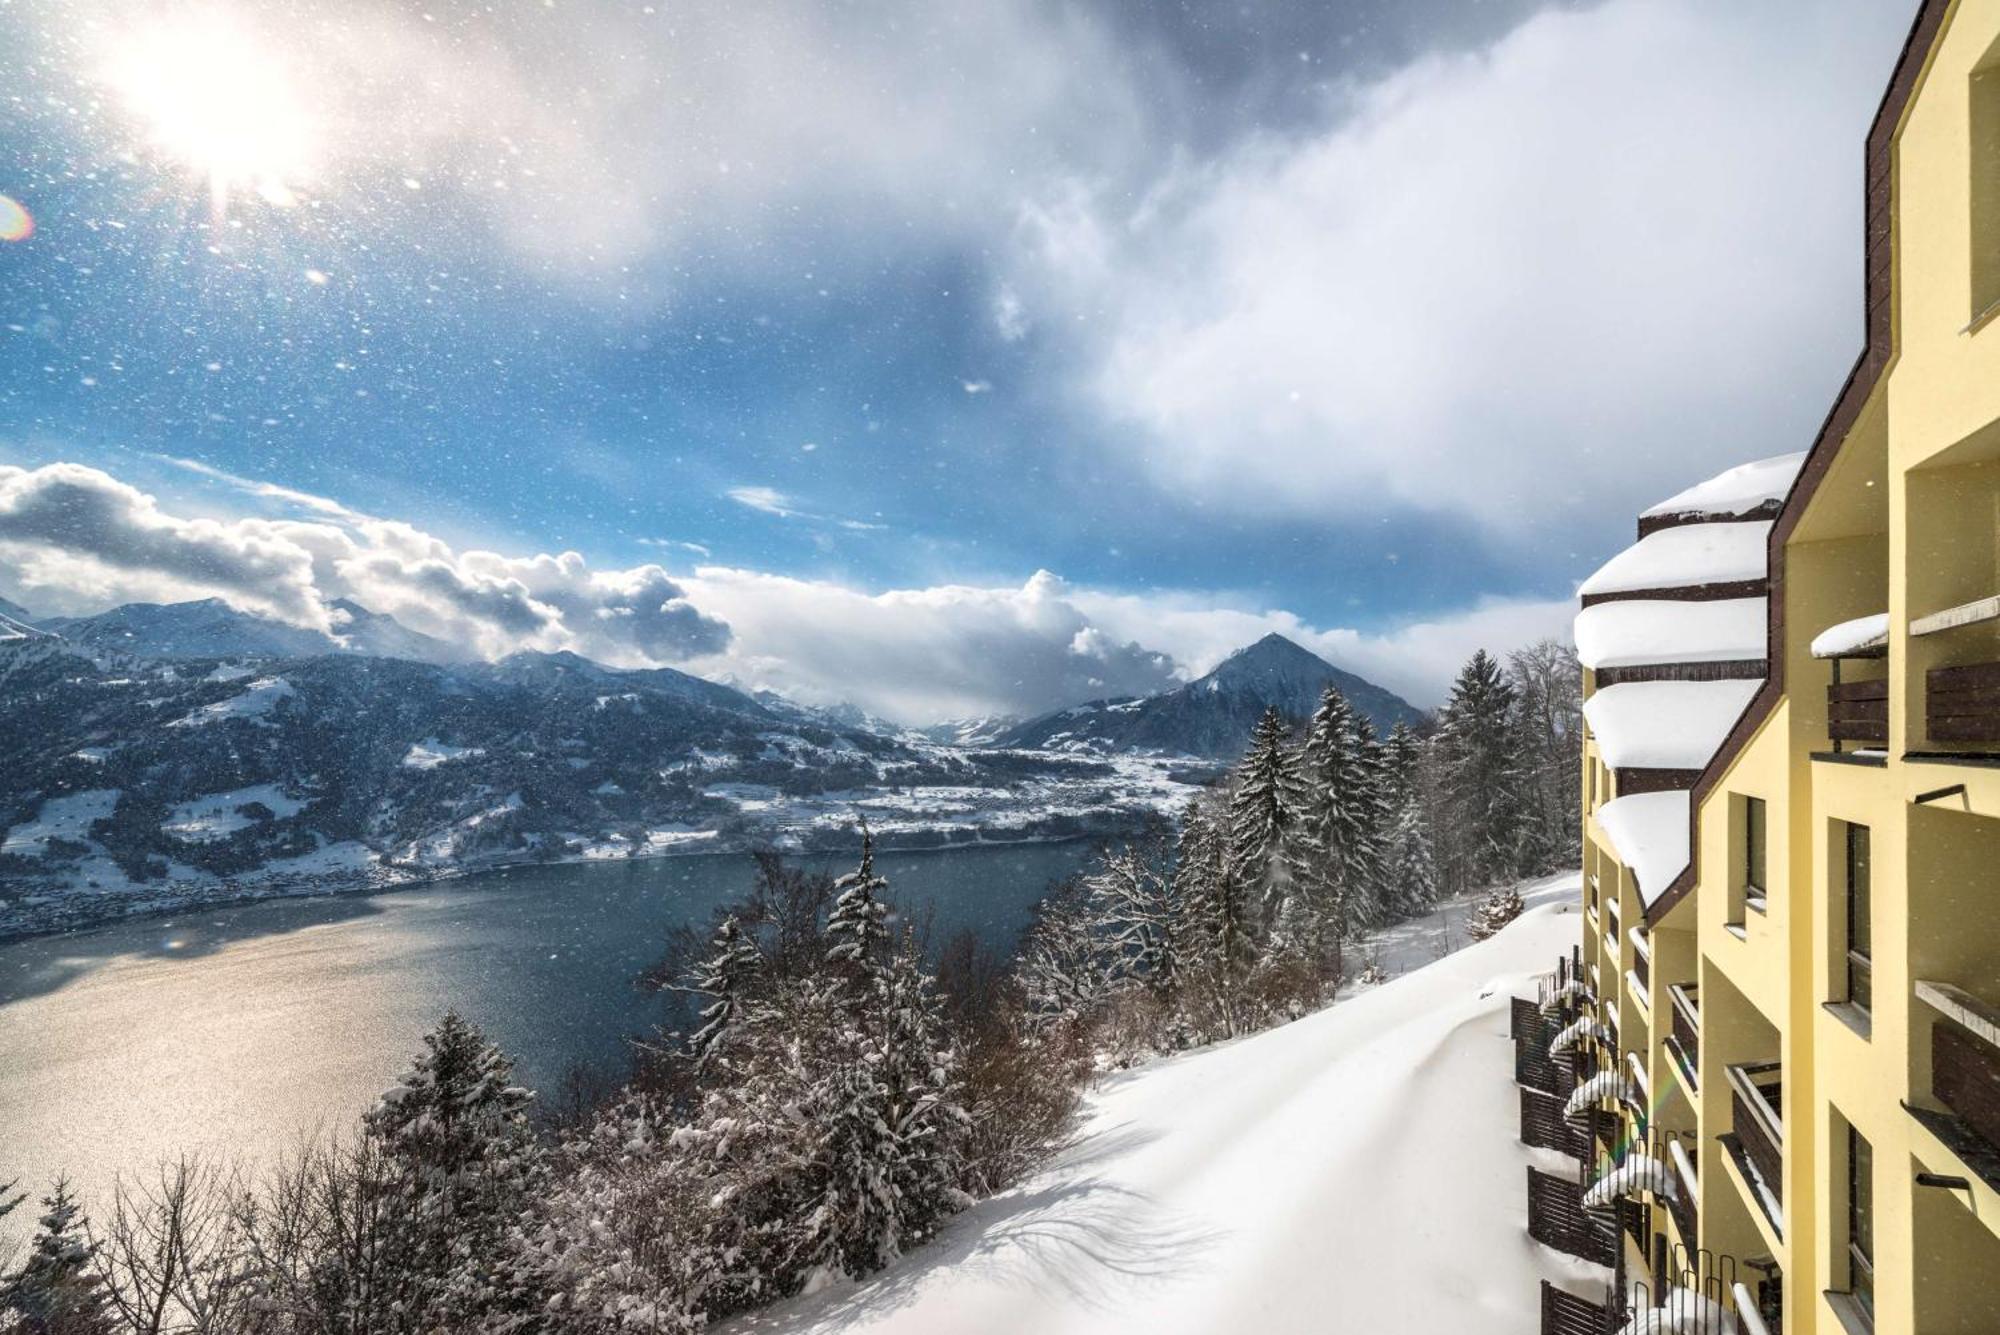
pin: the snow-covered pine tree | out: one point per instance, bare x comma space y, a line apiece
725, 978
1271, 847
59, 1290
858, 927
1412, 869
1336, 783
1402, 756
1218, 939
1136, 912
1477, 753
464, 1166
1498, 909
1060, 967
1369, 862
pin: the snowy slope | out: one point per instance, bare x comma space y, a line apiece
1357, 1172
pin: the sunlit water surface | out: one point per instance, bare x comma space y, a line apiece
234, 1030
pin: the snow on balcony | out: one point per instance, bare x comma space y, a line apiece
1851, 639
1665, 724
1685, 557
1646, 631
1649, 832
1737, 492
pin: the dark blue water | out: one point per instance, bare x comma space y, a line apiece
231, 1030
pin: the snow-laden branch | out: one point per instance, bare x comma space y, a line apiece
1573, 990
1611, 1084
1583, 1027
1639, 1172
1684, 1312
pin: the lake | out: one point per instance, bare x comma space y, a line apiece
233, 1030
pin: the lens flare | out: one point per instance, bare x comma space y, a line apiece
16, 223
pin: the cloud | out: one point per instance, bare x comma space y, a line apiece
920, 655
86, 540
77, 539
956, 651
767, 499
76, 529
1613, 250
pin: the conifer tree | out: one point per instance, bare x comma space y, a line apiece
1336, 781
1412, 867
725, 978
463, 1166
858, 927
1271, 849
60, 1288
1218, 932
1477, 754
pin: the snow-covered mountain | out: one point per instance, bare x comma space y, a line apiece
1212, 715
211, 628
129, 781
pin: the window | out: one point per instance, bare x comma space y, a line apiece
1859, 955
1985, 99
1861, 1220
1751, 856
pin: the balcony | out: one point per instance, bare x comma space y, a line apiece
1962, 704
1642, 964
1856, 711
1684, 1033
1965, 1077
1756, 1139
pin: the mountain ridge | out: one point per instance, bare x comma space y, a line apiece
1212, 715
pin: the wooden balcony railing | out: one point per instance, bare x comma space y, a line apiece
1758, 1130
1962, 704
1858, 711
1684, 1032
1965, 1069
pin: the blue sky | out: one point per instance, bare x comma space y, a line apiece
833, 325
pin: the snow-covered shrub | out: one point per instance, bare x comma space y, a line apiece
1639, 1172
1683, 1312
1498, 909
1575, 1032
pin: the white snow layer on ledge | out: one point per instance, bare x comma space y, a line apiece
1649, 832
1684, 1312
1738, 491
1206, 1192
1660, 630
1685, 557
1852, 637
1640, 1172
1665, 724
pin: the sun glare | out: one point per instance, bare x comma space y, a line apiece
216, 100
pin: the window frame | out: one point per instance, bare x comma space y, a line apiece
1857, 911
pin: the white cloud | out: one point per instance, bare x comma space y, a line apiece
767, 499
955, 651
78, 539
1616, 250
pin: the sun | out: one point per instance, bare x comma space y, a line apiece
217, 100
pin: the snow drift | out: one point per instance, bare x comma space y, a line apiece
1358, 1170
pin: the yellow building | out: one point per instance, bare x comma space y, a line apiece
1788, 994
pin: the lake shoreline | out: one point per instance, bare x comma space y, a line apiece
388, 878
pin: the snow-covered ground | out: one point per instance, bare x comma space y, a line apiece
1358, 1171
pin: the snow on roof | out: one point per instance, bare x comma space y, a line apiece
1665, 724
1738, 491
1692, 554
1646, 630
1231, 1189
1649, 832
1858, 636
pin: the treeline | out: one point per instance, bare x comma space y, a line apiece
840, 1085
1245, 913
832, 1099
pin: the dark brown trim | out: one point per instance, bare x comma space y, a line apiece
1650, 524
1877, 274
1682, 593
1730, 669
1632, 782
